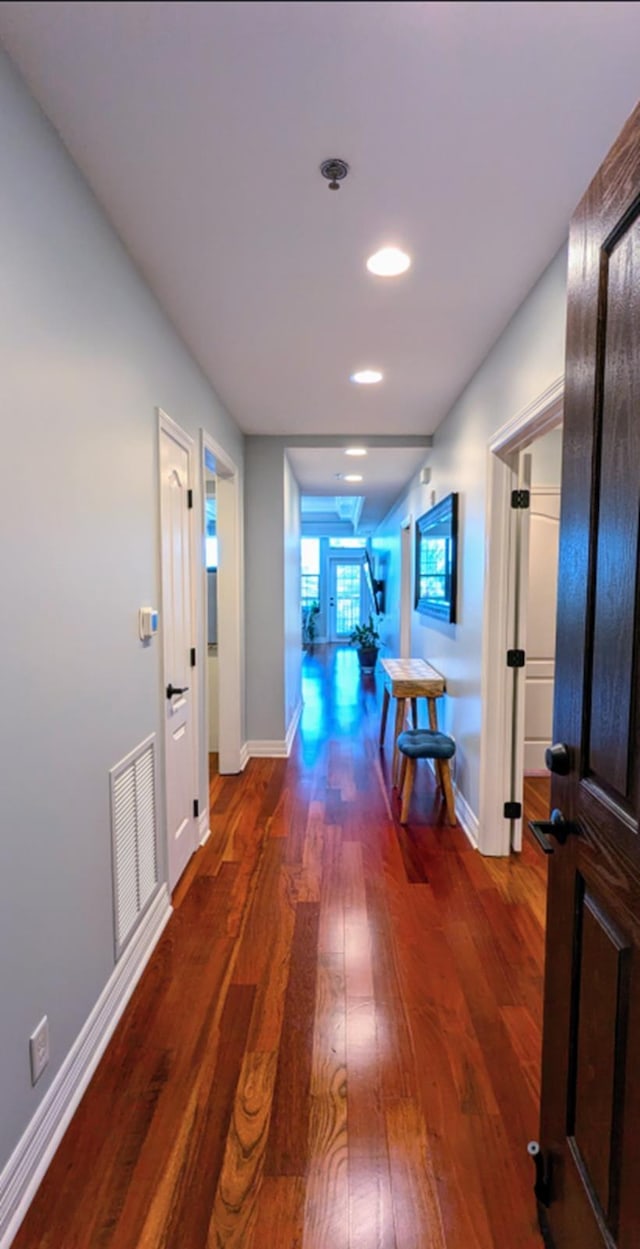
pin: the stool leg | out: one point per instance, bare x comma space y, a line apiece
407, 790
400, 714
385, 712
414, 712
433, 725
403, 772
448, 790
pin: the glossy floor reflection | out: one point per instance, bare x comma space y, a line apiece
336, 1042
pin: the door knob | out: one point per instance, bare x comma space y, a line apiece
175, 689
558, 759
556, 827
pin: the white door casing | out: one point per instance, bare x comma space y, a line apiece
178, 637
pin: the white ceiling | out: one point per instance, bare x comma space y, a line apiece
471, 129
385, 472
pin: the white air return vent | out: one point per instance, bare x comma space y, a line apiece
133, 827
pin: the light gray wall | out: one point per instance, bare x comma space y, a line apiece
86, 355
264, 593
292, 612
526, 359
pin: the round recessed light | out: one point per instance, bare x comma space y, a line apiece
388, 262
366, 377
355, 450
352, 477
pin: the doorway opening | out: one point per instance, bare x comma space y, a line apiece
536, 590
517, 695
222, 625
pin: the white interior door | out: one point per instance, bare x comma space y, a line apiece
178, 638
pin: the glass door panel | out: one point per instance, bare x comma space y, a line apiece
346, 598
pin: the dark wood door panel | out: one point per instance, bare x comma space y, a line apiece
590, 1114
612, 731
599, 1045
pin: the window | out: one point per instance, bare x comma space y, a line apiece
348, 543
310, 571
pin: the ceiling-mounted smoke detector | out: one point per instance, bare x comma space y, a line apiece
334, 171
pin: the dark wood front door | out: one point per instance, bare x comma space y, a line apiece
590, 1118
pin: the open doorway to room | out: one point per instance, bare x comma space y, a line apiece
222, 609
211, 608
536, 603
523, 507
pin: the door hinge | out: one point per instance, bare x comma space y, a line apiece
512, 810
520, 498
516, 659
193, 656
189, 498
196, 808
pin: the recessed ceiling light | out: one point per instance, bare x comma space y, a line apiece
366, 377
352, 477
355, 450
388, 262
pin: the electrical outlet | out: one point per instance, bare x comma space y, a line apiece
39, 1049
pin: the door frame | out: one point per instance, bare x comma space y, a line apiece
168, 426
232, 752
406, 584
497, 744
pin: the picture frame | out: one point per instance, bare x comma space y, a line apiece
436, 561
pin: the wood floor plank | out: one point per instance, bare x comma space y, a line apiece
416, 1207
288, 1140
236, 1201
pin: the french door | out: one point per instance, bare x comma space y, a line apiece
345, 600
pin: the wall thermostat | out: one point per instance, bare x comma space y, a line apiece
147, 623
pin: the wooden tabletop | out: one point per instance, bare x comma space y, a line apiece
412, 678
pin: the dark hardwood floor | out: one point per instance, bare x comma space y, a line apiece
336, 1043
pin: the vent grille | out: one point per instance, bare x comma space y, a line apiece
135, 857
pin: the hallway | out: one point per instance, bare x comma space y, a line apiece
336, 1042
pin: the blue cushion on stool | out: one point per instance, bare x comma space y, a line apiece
426, 744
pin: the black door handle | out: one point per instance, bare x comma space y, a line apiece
556, 827
176, 689
558, 759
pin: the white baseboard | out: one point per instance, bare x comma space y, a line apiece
272, 748
204, 832
244, 756
27, 1165
267, 749
293, 727
467, 818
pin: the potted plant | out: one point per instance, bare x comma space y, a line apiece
309, 625
367, 639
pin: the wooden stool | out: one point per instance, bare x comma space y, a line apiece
416, 744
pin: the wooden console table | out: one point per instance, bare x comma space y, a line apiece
409, 679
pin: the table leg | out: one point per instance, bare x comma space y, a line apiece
399, 725
414, 712
385, 712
